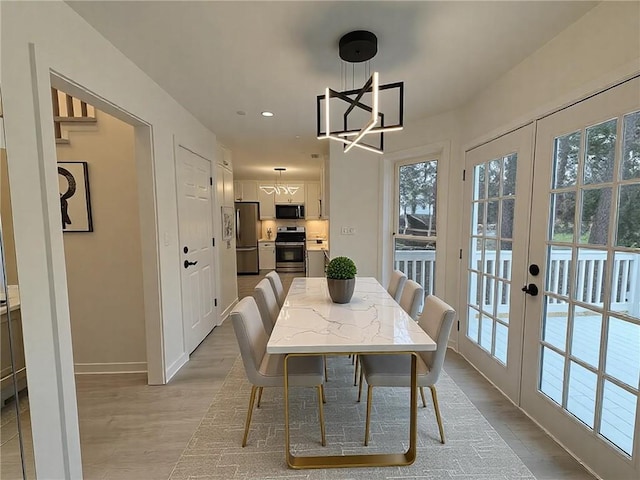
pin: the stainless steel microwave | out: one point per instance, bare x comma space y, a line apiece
290, 212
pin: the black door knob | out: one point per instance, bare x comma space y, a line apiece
531, 289
187, 263
534, 269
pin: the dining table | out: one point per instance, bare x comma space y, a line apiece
310, 323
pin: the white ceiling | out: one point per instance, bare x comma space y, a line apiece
217, 58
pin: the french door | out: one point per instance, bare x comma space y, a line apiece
552, 274
497, 203
582, 333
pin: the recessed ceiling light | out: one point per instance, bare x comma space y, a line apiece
241, 112
267, 114
297, 137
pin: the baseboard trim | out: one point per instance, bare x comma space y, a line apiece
110, 368
227, 311
177, 365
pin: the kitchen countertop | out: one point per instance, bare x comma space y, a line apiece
318, 247
266, 240
14, 299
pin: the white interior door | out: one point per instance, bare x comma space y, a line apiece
582, 337
196, 246
497, 204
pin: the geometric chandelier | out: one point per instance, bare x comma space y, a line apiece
359, 109
279, 188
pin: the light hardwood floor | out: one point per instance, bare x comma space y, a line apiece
133, 431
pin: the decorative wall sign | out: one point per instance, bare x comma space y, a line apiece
75, 204
227, 223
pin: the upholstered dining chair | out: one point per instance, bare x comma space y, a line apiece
412, 298
276, 283
267, 304
396, 284
266, 370
395, 370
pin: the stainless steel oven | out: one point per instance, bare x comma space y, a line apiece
290, 249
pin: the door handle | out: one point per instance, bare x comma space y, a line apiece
531, 289
187, 263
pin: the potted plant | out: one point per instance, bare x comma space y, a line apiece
341, 279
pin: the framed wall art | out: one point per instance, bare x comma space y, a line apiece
227, 223
75, 202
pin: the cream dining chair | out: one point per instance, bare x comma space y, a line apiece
278, 289
267, 304
412, 298
266, 370
396, 284
395, 370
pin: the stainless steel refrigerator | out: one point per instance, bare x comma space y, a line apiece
247, 234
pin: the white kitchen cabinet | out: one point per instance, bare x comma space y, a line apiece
316, 263
313, 201
245, 191
296, 198
267, 255
267, 205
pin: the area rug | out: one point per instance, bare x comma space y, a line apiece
473, 449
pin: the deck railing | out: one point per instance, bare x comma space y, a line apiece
420, 265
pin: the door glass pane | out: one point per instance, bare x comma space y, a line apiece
585, 341
504, 298
473, 324
628, 231
600, 154
566, 154
581, 399
596, 211
506, 260
555, 321
509, 167
552, 374
618, 416
502, 337
493, 185
630, 167
623, 351
559, 270
625, 284
477, 226
506, 218
479, 183
563, 218
590, 276
486, 333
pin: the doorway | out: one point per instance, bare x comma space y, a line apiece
552, 310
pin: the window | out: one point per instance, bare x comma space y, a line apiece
416, 224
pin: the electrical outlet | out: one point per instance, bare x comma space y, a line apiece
352, 230
345, 231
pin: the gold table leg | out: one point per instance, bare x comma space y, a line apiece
360, 460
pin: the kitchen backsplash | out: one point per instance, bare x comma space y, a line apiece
316, 229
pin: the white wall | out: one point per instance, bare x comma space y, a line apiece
39, 38
599, 49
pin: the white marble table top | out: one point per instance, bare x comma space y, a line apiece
309, 322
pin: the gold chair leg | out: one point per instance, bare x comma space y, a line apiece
424, 401
368, 420
321, 413
259, 397
324, 362
434, 395
355, 371
249, 412
360, 387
